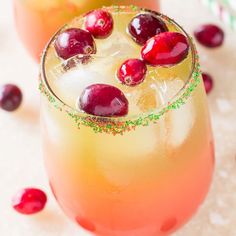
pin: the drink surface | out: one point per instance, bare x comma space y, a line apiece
161, 83
37, 21
148, 181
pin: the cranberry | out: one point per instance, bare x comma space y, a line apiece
144, 26
29, 201
132, 72
208, 82
209, 35
99, 23
103, 100
10, 97
74, 41
165, 49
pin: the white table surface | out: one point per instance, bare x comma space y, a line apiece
21, 163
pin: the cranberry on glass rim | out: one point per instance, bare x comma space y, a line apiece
132, 72
208, 82
209, 35
99, 23
103, 100
165, 49
10, 97
74, 41
29, 201
144, 26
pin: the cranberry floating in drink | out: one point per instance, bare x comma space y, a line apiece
124, 132
99, 23
103, 100
74, 41
165, 49
132, 72
144, 26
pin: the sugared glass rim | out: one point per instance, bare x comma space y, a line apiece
119, 125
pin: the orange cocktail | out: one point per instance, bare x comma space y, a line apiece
141, 171
37, 21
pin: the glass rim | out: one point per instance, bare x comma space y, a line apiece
129, 122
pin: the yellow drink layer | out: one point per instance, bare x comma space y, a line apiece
161, 84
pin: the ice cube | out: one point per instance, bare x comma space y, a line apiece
148, 99
155, 93
167, 89
151, 95
51, 127
136, 149
142, 99
181, 122
132, 97
71, 84
118, 45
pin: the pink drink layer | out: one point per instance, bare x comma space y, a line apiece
114, 187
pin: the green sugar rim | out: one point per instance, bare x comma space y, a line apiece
116, 125
123, 124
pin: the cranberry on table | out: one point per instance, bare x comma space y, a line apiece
99, 23
144, 26
29, 201
74, 41
165, 49
208, 82
10, 97
209, 35
103, 100
132, 72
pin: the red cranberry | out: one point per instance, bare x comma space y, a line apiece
132, 72
209, 35
74, 41
208, 82
144, 26
165, 49
103, 100
29, 201
99, 23
10, 97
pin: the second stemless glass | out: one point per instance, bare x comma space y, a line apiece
146, 180
37, 20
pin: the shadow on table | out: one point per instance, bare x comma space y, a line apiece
48, 220
29, 114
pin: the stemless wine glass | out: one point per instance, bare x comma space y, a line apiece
37, 20
141, 175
